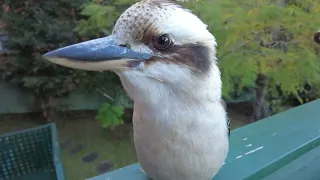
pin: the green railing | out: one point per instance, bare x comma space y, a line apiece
32, 154
282, 147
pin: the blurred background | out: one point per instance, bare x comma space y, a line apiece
266, 52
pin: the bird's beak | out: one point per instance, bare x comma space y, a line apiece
96, 55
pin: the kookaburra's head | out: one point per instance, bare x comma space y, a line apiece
157, 48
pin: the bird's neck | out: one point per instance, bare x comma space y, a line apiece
173, 106
198, 98
165, 110
175, 114
144, 89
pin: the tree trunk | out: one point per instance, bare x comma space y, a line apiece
259, 110
48, 108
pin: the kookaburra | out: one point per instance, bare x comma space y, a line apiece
166, 60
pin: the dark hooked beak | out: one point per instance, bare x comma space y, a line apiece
96, 55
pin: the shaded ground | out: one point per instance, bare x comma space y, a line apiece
87, 149
92, 150
81, 137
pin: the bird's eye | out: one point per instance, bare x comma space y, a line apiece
162, 42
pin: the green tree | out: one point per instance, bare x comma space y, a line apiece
101, 16
36, 27
266, 47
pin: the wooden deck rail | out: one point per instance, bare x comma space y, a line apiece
284, 146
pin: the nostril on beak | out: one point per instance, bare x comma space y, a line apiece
125, 45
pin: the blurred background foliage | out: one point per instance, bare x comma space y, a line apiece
266, 50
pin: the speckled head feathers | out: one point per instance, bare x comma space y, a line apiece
189, 64
140, 24
138, 20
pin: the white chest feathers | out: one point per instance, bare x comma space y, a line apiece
179, 141
180, 126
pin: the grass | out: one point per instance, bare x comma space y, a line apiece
115, 146
117, 149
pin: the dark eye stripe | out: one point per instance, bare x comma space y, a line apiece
195, 55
